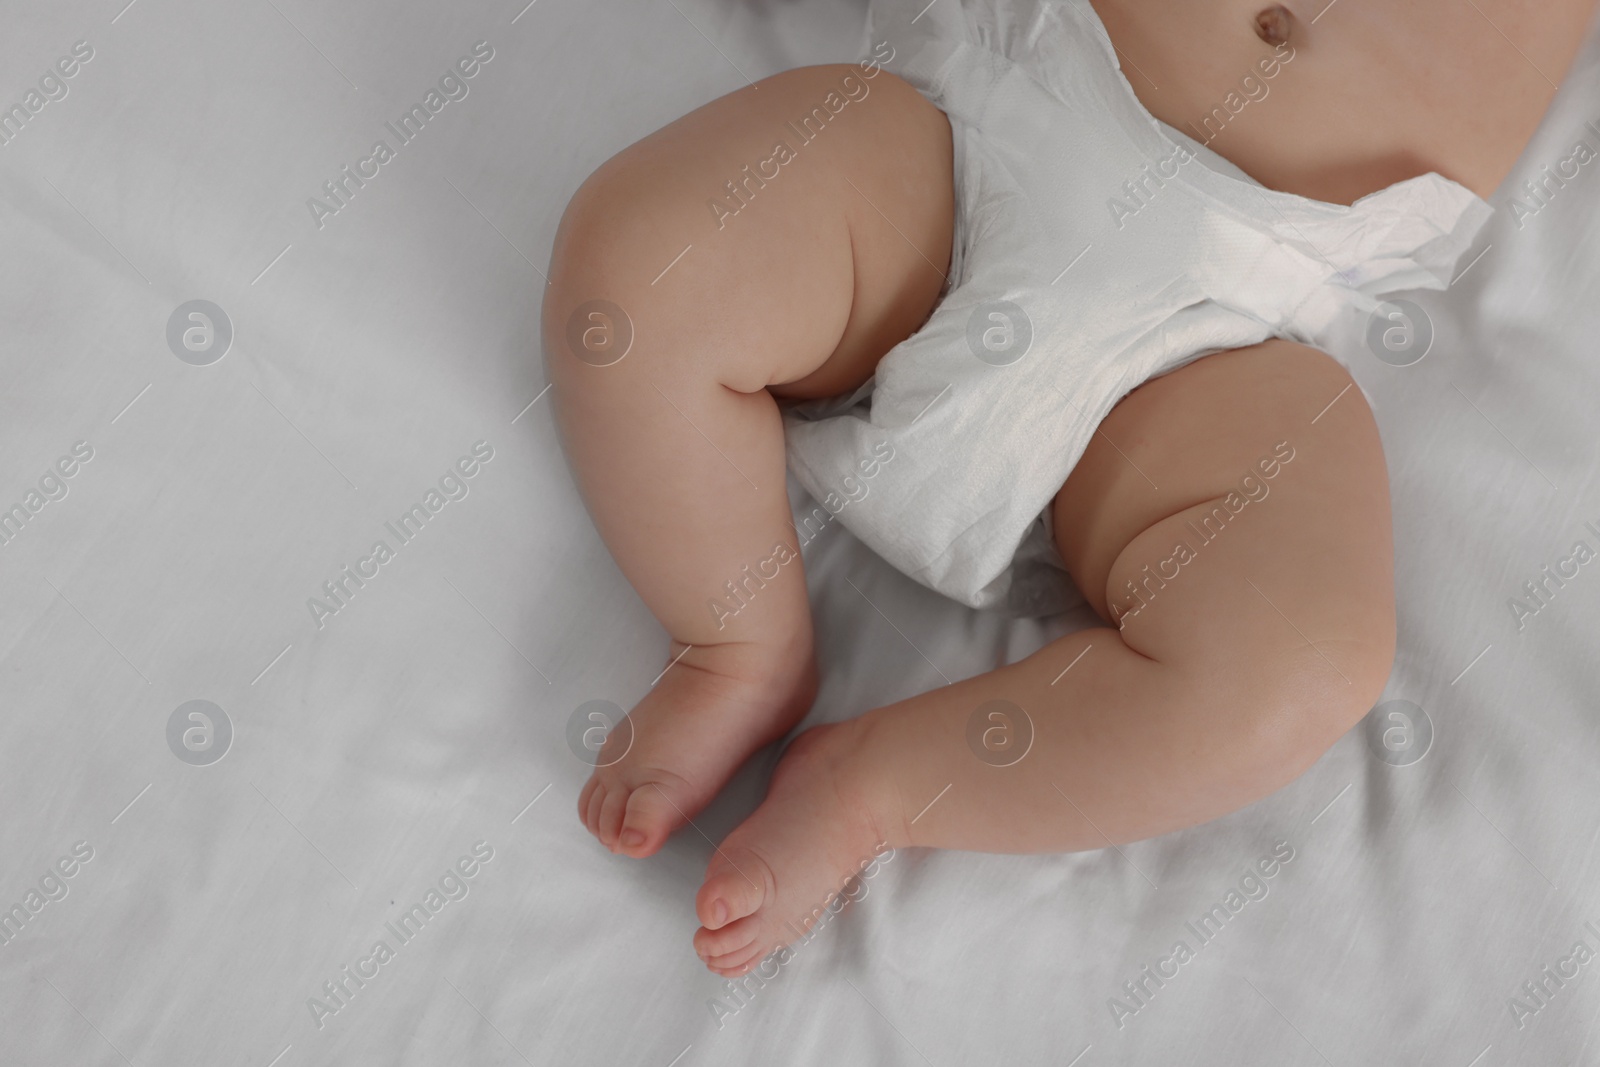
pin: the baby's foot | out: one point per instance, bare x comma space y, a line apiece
774, 874
711, 709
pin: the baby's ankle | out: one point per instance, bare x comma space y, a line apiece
863, 780
786, 664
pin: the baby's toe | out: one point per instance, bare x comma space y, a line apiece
650, 815
731, 944
596, 791
735, 963
609, 824
583, 799
732, 890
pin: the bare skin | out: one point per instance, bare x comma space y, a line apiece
1330, 128
1227, 685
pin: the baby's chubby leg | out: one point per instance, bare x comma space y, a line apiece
696, 275
1256, 647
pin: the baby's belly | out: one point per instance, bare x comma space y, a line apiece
1373, 93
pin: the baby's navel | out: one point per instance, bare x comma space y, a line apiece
1272, 24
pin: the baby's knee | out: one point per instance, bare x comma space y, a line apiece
599, 232
597, 294
1301, 700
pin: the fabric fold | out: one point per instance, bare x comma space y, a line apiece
1094, 249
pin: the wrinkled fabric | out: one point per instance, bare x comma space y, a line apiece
1095, 248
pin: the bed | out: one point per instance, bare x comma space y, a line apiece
243, 748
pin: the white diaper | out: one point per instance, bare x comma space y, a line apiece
1095, 248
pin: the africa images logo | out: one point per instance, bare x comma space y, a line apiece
451, 886
452, 86
455, 484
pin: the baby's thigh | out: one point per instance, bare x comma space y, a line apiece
1237, 503
785, 235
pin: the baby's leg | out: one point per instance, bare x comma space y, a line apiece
1253, 652
670, 323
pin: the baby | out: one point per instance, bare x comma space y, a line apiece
1047, 279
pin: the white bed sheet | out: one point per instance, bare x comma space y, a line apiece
371, 753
